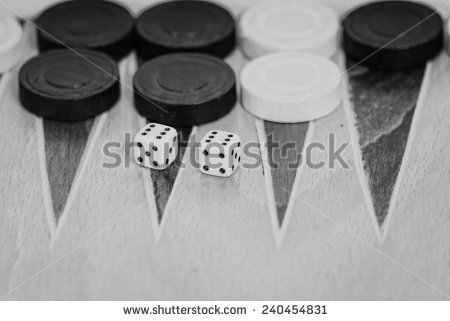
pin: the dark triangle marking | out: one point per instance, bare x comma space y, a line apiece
382, 165
163, 180
384, 104
284, 151
64, 147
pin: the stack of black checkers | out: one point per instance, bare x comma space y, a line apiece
76, 76
182, 80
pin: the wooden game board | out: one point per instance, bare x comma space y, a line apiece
72, 229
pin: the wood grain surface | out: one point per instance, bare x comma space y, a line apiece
383, 107
284, 160
64, 147
163, 181
72, 228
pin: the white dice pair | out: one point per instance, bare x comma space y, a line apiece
156, 146
220, 153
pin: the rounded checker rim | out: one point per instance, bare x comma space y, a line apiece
361, 23
319, 35
36, 75
61, 21
218, 21
150, 81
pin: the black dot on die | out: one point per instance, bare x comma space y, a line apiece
143, 134
163, 133
239, 144
170, 150
167, 129
230, 135
148, 129
206, 168
205, 152
224, 144
147, 153
208, 141
140, 159
239, 159
232, 168
167, 161
222, 171
155, 163
235, 155
211, 136
232, 152
175, 138
155, 148
158, 137
221, 155
152, 125
139, 144
214, 132
227, 139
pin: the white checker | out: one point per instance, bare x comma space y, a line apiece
289, 25
10, 42
290, 87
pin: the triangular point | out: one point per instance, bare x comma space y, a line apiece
285, 144
163, 181
383, 104
64, 147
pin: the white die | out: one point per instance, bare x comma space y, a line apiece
220, 153
156, 146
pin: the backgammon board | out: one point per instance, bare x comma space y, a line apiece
375, 227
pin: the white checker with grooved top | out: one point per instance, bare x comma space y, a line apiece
10, 42
288, 25
290, 87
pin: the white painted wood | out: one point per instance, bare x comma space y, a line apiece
418, 231
24, 229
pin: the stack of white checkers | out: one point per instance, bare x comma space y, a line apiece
10, 42
292, 78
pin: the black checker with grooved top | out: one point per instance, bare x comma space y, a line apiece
62, 85
392, 35
185, 26
184, 89
96, 25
